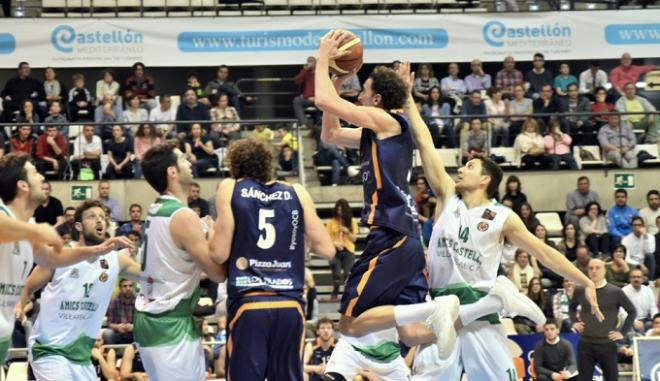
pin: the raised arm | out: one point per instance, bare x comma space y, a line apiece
316, 234
39, 277
47, 256
225, 227
15, 230
439, 180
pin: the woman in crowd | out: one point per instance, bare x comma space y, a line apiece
53, 88
617, 270
437, 116
135, 114
530, 147
528, 217
222, 133
522, 108
120, 152
343, 230
558, 146
424, 82
145, 138
107, 86
569, 242
425, 200
513, 192
523, 270
496, 106
199, 149
593, 230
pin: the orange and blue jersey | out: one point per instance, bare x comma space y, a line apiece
386, 168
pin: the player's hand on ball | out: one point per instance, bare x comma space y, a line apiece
590, 294
331, 42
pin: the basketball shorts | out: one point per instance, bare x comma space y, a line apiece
348, 362
390, 271
58, 368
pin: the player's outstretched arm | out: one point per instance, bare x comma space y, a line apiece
516, 232
434, 169
38, 278
225, 227
13, 230
128, 267
315, 233
47, 256
188, 233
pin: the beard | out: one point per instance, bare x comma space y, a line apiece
92, 239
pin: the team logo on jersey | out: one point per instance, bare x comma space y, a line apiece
242, 263
75, 274
103, 277
104, 264
489, 215
482, 226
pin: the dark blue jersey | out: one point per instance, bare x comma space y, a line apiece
268, 251
319, 356
386, 167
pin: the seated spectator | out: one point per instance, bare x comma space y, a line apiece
641, 247
425, 200
651, 212
627, 73
475, 106
55, 116
617, 269
537, 294
141, 85
28, 115
580, 127
224, 132
163, 116
336, 157
52, 151
524, 270
222, 85
135, 224
563, 80
317, 354
192, 82
601, 105
655, 329
530, 146
286, 138
591, 79
102, 360
120, 315
558, 146
80, 100
135, 114
495, 106
199, 149
476, 141
286, 162
107, 111
18, 89
569, 242
583, 258
53, 88
68, 227
305, 80
24, 141
190, 110
134, 249
538, 77
632, 102
561, 301
594, 230
513, 192
262, 133
509, 77
452, 84
87, 149
436, 114
528, 217
643, 299
577, 199
618, 142
107, 87
620, 216
120, 152
424, 81
518, 105
546, 103
478, 79
553, 356
351, 88
145, 138
194, 198
131, 364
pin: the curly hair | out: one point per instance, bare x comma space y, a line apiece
250, 158
390, 86
87, 204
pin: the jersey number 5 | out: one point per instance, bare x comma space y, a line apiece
266, 229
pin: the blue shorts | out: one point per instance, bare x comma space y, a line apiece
390, 271
265, 338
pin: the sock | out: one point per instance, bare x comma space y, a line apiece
413, 313
485, 306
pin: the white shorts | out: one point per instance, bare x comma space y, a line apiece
481, 349
58, 368
348, 362
183, 361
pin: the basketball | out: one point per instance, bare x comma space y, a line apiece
350, 61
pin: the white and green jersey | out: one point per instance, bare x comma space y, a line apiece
171, 273
16, 260
73, 305
465, 249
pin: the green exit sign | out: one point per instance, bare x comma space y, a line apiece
81, 192
624, 180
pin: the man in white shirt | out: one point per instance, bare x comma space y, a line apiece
592, 78
652, 211
640, 246
87, 150
451, 84
163, 114
643, 299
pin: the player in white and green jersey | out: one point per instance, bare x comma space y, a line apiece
74, 303
22, 243
175, 251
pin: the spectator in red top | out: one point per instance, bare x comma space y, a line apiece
142, 85
51, 152
23, 141
628, 73
304, 79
